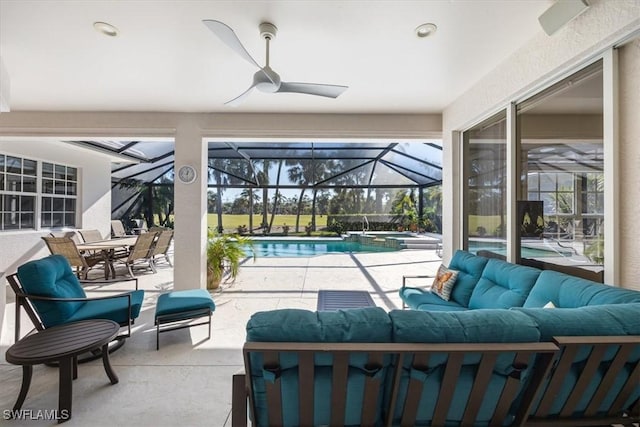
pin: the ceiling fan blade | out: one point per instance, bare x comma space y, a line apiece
330, 91
240, 98
228, 37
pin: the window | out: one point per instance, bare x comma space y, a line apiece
59, 188
485, 146
19, 178
18, 190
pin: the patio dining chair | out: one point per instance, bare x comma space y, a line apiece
91, 235
140, 253
51, 295
161, 246
117, 229
66, 247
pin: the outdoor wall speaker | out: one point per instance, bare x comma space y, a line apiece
4, 88
561, 12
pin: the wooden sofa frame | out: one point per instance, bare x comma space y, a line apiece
598, 346
243, 395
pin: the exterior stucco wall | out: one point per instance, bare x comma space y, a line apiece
18, 247
629, 86
529, 69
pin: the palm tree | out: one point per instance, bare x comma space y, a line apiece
306, 173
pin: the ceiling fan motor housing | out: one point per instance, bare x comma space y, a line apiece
268, 30
266, 80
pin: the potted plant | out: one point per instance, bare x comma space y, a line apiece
224, 254
285, 229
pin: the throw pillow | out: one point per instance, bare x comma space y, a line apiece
549, 305
443, 283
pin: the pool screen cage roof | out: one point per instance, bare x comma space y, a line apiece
258, 164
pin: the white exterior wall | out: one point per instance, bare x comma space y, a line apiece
629, 86
18, 247
531, 68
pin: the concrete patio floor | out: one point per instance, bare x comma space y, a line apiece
188, 381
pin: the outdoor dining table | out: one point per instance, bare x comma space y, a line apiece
108, 246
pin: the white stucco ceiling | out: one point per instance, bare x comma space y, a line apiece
165, 59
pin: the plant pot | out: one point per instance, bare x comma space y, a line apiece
213, 282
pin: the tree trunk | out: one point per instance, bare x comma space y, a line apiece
250, 210
299, 211
219, 208
313, 211
275, 199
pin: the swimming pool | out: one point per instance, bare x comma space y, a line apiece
310, 247
526, 251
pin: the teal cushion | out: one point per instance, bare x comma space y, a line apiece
473, 326
52, 277
469, 326
293, 325
567, 291
438, 307
181, 301
602, 320
416, 298
470, 268
115, 309
371, 324
503, 285
608, 319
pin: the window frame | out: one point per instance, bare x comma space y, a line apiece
70, 183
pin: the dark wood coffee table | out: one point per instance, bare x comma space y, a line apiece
329, 300
62, 345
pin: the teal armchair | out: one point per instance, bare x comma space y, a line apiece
51, 294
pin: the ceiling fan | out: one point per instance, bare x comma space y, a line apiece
265, 79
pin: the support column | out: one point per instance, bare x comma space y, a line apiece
190, 209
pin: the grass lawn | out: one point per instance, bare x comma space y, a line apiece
232, 222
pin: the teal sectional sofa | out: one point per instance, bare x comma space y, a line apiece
491, 356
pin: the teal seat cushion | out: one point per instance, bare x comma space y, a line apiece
503, 285
371, 324
463, 326
608, 319
469, 267
472, 326
416, 298
292, 325
182, 301
567, 291
439, 307
115, 309
600, 320
52, 277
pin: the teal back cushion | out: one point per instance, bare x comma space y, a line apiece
410, 326
567, 291
503, 285
479, 326
470, 269
292, 325
602, 320
52, 277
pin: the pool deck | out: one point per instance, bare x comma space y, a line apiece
188, 381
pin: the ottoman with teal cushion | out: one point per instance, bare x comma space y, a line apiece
179, 306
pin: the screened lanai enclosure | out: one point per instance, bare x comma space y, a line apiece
288, 187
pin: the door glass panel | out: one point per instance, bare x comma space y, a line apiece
485, 194
562, 167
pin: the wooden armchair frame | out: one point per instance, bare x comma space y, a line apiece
243, 395
599, 345
24, 301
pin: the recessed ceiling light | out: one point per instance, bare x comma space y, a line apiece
425, 30
105, 28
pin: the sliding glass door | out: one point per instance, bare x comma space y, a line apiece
561, 189
485, 200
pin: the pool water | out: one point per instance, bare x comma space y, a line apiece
306, 248
526, 252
